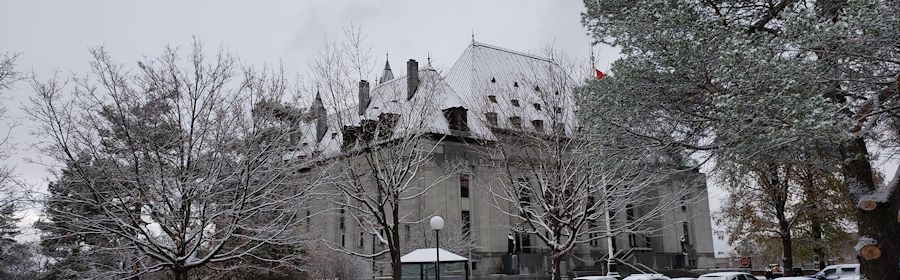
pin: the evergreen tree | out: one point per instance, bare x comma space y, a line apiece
762, 80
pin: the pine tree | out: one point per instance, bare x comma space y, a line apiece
751, 80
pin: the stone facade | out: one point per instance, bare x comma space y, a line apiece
463, 199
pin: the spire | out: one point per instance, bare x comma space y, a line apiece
473, 37
429, 58
317, 105
319, 113
387, 75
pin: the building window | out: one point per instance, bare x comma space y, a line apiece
464, 185
557, 109
492, 98
308, 222
629, 213
493, 80
457, 118
406, 231
491, 118
526, 243
537, 106
537, 88
362, 239
466, 226
524, 191
516, 122
474, 265
515, 102
687, 233
515, 84
683, 204
341, 221
538, 125
343, 240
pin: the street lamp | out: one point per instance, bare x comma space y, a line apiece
437, 224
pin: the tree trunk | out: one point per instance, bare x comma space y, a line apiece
881, 223
817, 241
788, 253
396, 266
180, 274
554, 268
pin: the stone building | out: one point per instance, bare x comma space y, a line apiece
487, 90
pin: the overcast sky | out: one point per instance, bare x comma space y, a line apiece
54, 37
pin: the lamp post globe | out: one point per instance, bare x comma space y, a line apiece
437, 223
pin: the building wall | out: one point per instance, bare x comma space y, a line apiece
491, 227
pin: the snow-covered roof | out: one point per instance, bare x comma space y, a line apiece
484, 70
538, 85
427, 255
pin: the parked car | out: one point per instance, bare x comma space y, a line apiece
596, 278
838, 271
727, 276
684, 278
795, 278
646, 277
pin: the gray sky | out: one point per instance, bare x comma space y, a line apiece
54, 37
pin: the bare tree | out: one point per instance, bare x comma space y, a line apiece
380, 144
181, 165
456, 239
385, 166
560, 184
325, 263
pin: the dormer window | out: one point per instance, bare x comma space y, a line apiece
386, 123
492, 98
457, 118
515, 102
515, 84
537, 88
491, 118
557, 110
538, 125
516, 122
493, 80
557, 92
537, 106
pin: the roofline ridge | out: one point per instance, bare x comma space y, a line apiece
481, 44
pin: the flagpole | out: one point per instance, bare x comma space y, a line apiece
593, 66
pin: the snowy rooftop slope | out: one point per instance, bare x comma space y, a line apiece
484, 70
427, 255
539, 86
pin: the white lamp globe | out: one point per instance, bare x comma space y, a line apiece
437, 223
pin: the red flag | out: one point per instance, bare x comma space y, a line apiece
599, 74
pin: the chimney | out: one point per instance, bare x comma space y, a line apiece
364, 97
412, 78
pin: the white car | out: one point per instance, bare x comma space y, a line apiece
794, 278
684, 278
727, 276
596, 278
838, 271
646, 277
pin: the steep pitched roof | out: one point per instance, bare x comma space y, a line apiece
513, 77
538, 85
